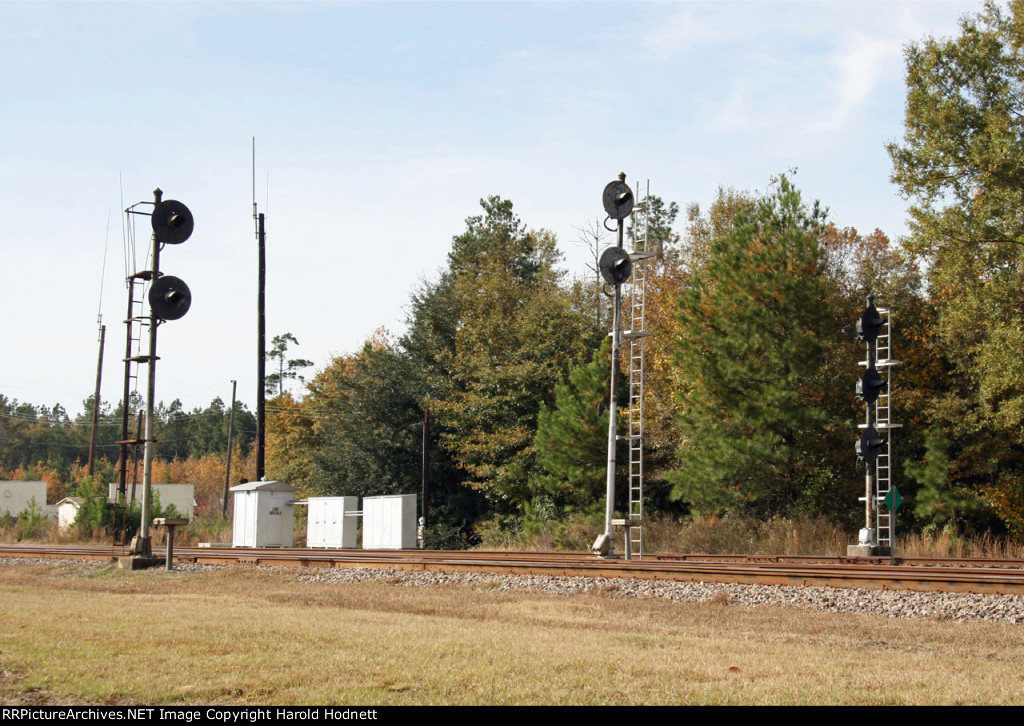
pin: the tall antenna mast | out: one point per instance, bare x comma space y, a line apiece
261, 330
254, 179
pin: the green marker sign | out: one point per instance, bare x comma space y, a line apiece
893, 500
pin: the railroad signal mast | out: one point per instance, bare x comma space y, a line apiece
619, 268
875, 446
169, 299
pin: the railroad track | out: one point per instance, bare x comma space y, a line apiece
1004, 577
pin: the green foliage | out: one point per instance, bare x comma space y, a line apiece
940, 503
287, 368
498, 242
963, 143
211, 527
290, 431
97, 514
32, 521
961, 162
368, 424
749, 348
517, 330
545, 528
661, 238
132, 515
181, 434
572, 437
37, 442
31, 434
95, 511
444, 534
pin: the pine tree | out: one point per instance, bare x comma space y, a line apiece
749, 348
572, 437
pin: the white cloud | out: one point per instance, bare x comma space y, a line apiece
855, 72
697, 25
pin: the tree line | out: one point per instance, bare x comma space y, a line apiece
39, 442
751, 367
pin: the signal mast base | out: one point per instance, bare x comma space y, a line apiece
867, 546
867, 550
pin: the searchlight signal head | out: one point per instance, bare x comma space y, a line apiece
615, 265
870, 323
618, 199
170, 298
870, 385
172, 222
869, 446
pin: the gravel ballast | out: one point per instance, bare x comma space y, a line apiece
889, 603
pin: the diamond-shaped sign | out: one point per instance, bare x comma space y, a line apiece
893, 500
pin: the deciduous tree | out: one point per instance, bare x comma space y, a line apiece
517, 330
961, 163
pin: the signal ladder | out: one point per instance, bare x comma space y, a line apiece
635, 335
884, 426
137, 324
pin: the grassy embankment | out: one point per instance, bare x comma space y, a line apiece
91, 634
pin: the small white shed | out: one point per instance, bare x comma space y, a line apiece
328, 525
264, 514
389, 522
67, 511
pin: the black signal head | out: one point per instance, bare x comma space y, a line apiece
172, 222
615, 265
617, 199
869, 446
169, 298
870, 323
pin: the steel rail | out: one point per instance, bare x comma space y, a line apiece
873, 575
532, 556
824, 559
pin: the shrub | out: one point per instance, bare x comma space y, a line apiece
32, 521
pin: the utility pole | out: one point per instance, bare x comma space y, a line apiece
227, 471
96, 405
261, 349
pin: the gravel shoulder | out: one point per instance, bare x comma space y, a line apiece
888, 603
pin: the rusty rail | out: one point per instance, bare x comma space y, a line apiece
996, 577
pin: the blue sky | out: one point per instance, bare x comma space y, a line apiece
379, 126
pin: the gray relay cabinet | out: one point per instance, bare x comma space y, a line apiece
264, 514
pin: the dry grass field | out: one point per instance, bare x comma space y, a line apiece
91, 634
